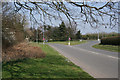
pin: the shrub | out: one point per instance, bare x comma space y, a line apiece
22, 51
111, 40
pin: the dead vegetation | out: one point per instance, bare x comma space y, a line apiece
21, 51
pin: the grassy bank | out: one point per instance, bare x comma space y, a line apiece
52, 66
71, 42
107, 47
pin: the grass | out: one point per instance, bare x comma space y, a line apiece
71, 42
107, 47
52, 66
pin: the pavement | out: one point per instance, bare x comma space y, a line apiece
98, 63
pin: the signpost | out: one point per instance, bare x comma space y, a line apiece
43, 40
69, 41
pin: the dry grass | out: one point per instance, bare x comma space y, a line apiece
21, 51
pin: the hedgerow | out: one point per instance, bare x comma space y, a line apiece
111, 40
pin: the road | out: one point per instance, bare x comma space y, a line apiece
98, 63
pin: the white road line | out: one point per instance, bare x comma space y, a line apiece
80, 49
113, 57
94, 52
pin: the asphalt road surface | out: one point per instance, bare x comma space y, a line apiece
98, 63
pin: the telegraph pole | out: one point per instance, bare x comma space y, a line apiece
38, 34
43, 36
43, 28
98, 37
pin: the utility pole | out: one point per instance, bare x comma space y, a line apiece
43, 28
98, 37
38, 34
35, 33
43, 36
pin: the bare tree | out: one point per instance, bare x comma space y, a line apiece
93, 13
12, 26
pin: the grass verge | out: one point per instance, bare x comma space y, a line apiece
107, 47
52, 66
71, 42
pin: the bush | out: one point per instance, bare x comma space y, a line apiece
111, 40
22, 51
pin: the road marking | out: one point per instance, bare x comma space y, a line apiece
88, 51
94, 52
113, 57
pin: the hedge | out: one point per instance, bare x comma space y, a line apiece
111, 40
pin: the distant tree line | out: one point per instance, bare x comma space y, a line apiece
60, 33
94, 36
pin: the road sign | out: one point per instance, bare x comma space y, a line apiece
69, 38
43, 38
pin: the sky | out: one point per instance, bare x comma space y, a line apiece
84, 28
